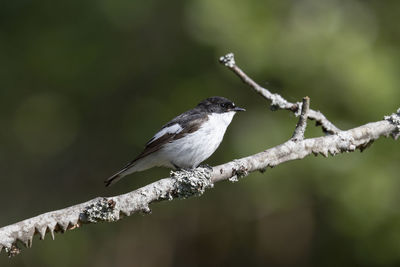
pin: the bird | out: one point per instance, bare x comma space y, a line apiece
185, 141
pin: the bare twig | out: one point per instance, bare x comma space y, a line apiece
184, 184
302, 124
277, 101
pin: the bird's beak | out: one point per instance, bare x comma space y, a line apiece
238, 109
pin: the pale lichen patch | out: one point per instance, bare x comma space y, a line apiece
228, 60
12, 251
238, 171
395, 120
101, 211
346, 142
190, 183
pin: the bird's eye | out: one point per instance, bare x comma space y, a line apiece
225, 105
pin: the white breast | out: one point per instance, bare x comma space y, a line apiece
194, 148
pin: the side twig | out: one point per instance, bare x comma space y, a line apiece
302, 124
184, 184
277, 101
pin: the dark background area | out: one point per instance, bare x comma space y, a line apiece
85, 84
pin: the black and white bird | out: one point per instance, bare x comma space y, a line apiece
185, 141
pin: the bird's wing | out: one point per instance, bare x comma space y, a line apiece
188, 123
173, 131
177, 128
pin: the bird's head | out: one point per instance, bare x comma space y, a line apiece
219, 104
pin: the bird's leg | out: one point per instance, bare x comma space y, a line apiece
177, 168
206, 166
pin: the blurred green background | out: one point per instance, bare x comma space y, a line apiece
85, 84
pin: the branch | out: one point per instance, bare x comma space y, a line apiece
184, 184
277, 101
302, 124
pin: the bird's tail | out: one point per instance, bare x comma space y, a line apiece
115, 178
136, 165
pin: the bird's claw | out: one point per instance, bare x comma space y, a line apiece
206, 166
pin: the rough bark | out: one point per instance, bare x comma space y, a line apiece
184, 184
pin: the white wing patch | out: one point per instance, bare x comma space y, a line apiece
173, 129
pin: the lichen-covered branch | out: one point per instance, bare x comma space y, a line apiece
187, 183
345, 141
181, 184
277, 101
184, 184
